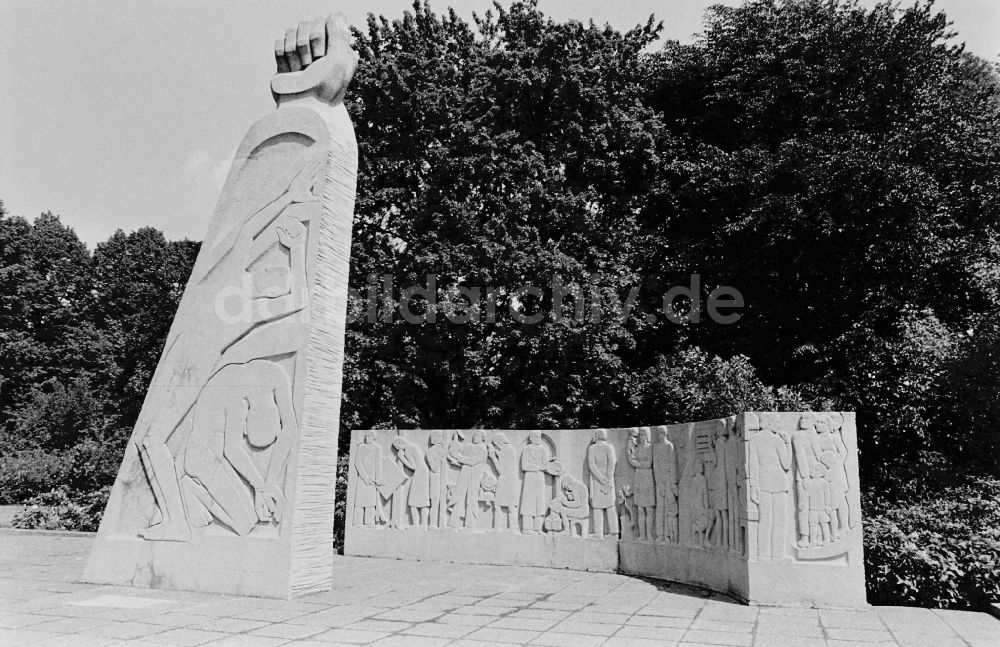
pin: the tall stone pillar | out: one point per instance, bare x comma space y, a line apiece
227, 484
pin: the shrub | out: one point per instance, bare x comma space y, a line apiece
62, 509
340, 508
26, 473
940, 550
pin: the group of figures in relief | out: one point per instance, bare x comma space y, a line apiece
717, 485
808, 464
526, 490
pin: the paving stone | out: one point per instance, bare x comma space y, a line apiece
69, 625
601, 618
244, 640
713, 624
466, 620
658, 609
184, 636
288, 631
21, 620
914, 640
175, 619
775, 640
557, 606
859, 635
408, 615
587, 628
494, 634
559, 639
349, 636
659, 621
125, 630
540, 614
439, 630
850, 619
718, 637
651, 633
78, 640
530, 624
638, 642
401, 640
791, 630
465, 642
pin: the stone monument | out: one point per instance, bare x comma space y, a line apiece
227, 484
762, 506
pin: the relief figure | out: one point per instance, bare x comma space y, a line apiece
534, 502
246, 408
833, 456
418, 498
368, 465
601, 461
817, 494
665, 478
572, 505
737, 490
465, 497
437, 465
768, 461
231, 264
699, 505
643, 487
718, 490
503, 455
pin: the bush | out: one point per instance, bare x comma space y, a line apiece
340, 507
940, 550
62, 509
26, 473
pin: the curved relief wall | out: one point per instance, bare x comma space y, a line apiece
762, 506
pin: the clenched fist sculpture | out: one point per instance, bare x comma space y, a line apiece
315, 56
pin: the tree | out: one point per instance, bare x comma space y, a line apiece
138, 282
842, 171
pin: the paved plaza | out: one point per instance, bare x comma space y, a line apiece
384, 602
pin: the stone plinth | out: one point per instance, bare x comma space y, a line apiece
228, 482
764, 507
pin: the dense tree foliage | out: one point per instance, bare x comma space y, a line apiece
839, 166
80, 335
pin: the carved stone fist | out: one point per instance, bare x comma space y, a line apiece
316, 55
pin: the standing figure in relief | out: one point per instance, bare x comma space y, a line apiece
534, 460
699, 505
437, 479
833, 455
418, 498
768, 461
601, 460
503, 455
804, 450
571, 505
643, 486
665, 477
472, 460
718, 490
368, 465
737, 505
817, 491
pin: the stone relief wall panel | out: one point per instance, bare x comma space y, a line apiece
698, 502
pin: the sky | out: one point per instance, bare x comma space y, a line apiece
118, 114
